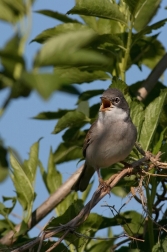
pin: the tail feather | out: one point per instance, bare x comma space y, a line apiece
84, 178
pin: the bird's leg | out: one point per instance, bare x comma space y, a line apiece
102, 183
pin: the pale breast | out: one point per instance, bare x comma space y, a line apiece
111, 145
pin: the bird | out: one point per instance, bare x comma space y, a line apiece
110, 138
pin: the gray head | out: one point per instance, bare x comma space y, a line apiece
111, 98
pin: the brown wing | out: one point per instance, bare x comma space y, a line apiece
88, 139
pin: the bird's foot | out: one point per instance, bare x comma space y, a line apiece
104, 186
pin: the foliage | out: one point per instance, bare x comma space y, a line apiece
102, 44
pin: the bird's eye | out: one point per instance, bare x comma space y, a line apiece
117, 100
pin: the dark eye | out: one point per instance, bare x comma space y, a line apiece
117, 100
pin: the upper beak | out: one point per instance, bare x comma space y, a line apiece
106, 104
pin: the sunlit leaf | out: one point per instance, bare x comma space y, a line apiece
102, 9
79, 75
152, 115
146, 14
11, 11
149, 29
71, 119
135, 6
66, 153
45, 84
57, 15
23, 184
57, 30
52, 178
66, 50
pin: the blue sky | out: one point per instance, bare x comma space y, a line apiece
19, 131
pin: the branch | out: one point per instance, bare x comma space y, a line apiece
152, 79
45, 208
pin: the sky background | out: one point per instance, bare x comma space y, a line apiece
19, 131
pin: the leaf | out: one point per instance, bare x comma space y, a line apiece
135, 6
52, 178
66, 50
98, 8
3, 162
135, 227
66, 153
10, 56
30, 165
121, 85
51, 115
22, 182
83, 107
149, 29
79, 75
152, 115
67, 211
45, 84
13, 200
161, 245
137, 114
57, 15
11, 11
58, 30
147, 51
89, 94
71, 119
101, 246
146, 14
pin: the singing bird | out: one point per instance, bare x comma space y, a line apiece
110, 138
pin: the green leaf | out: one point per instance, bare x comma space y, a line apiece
161, 245
66, 210
147, 51
98, 8
152, 115
3, 162
22, 182
121, 85
83, 107
135, 227
146, 14
100, 246
13, 200
137, 114
58, 30
148, 29
66, 50
52, 178
71, 119
11, 58
45, 84
79, 75
11, 11
135, 6
30, 165
51, 115
57, 15
89, 94
66, 153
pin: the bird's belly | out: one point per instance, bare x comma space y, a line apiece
109, 149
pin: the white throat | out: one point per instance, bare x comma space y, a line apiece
113, 115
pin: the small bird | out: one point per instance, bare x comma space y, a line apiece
110, 138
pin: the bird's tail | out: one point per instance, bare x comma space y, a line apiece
84, 178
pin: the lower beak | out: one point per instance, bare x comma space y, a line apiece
105, 105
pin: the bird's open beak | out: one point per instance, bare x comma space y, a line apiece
105, 105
